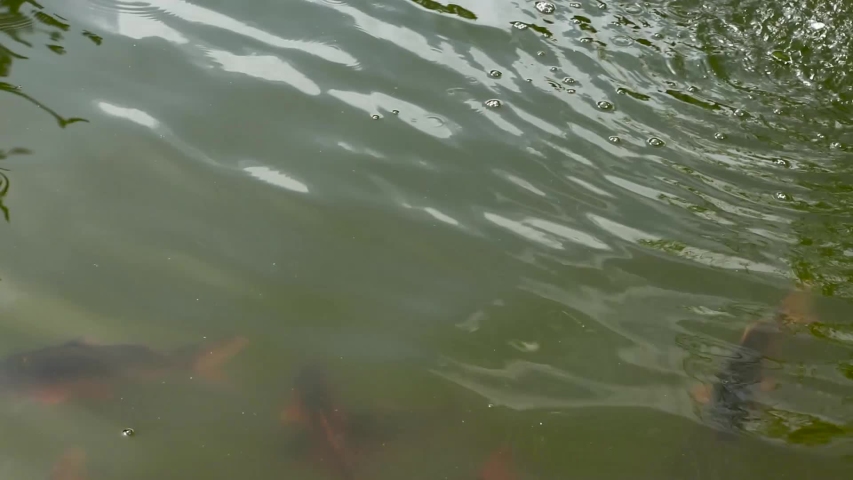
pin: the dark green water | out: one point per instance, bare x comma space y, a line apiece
325, 178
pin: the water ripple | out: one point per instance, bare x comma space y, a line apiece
633, 181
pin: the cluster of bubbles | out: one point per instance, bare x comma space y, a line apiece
545, 7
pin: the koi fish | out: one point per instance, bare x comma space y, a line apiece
325, 424
730, 396
82, 369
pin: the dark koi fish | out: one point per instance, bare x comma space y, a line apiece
326, 426
730, 396
84, 369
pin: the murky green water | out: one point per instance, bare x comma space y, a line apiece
327, 179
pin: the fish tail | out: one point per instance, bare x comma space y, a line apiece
207, 361
338, 450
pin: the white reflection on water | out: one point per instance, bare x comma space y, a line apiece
521, 183
146, 120
139, 27
132, 114
277, 178
417, 117
193, 13
592, 188
266, 67
538, 230
523, 230
441, 216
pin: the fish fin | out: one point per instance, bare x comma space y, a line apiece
768, 384
95, 390
701, 393
70, 466
293, 414
209, 362
53, 395
499, 465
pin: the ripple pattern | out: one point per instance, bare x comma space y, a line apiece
589, 201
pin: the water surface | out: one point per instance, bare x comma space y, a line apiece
328, 179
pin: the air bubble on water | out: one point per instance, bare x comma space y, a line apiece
817, 25
821, 136
519, 25
657, 36
739, 113
493, 103
395, 112
836, 145
622, 40
602, 6
495, 73
692, 89
540, 53
720, 136
575, 5
127, 432
570, 90
634, 9
614, 139
777, 111
553, 69
585, 40
569, 81
528, 80
605, 105
375, 116
781, 162
782, 196
655, 142
545, 7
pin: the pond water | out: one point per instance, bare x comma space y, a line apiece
526, 224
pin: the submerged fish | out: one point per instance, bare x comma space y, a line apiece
729, 398
322, 421
85, 369
498, 466
72, 466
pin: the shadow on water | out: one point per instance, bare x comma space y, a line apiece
18, 19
